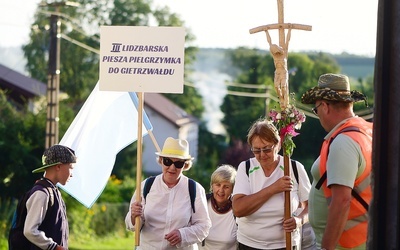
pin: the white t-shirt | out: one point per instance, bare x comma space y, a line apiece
222, 234
264, 228
167, 209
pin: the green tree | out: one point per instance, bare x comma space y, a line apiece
79, 66
18, 148
22, 145
241, 111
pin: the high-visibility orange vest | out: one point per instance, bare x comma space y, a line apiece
355, 231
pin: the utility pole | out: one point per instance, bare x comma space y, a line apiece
53, 81
53, 74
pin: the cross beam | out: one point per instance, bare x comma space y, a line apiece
280, 52
280, 26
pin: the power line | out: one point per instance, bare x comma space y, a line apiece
76, 42
365, 113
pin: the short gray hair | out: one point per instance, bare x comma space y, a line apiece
224, 172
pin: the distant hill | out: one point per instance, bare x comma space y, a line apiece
356, 66
209, 60
211, 69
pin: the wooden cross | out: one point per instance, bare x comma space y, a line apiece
280, 52
281, 82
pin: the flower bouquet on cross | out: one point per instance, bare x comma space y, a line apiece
287, 121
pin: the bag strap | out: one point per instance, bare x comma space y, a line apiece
191, 186
147, 186
192, 193
324, 175
295, 171
247, 167
47, 186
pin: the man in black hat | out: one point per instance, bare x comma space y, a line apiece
46, 224
341, 190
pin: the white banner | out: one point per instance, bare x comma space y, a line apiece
105, 125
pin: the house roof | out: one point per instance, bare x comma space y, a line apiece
168, 109
19, 85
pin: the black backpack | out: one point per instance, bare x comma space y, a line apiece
16, 237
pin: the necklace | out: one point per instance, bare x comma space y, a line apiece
221, 210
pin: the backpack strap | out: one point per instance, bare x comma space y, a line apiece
321, 181
247, 167
191, 186
147, 186
47, 186
192, 193
295, 172
324, 175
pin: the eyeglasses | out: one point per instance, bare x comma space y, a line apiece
168, 162
315, 109
265, 150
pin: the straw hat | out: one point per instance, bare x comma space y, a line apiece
56, 154
333, 87
175, 148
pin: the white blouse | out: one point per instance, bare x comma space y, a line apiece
167, 209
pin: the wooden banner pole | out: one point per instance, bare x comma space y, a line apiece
153, 139
139, 164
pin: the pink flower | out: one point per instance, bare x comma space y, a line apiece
289, 130
273, 114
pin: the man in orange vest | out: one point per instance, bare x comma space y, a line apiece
341, 188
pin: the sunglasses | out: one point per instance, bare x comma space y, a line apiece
265, 150
168, 162
315, 109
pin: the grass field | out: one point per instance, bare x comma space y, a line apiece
104, 244
107, 243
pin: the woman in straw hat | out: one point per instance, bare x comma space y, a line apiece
168, 218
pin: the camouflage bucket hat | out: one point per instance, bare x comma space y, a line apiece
333, 87
57, 154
